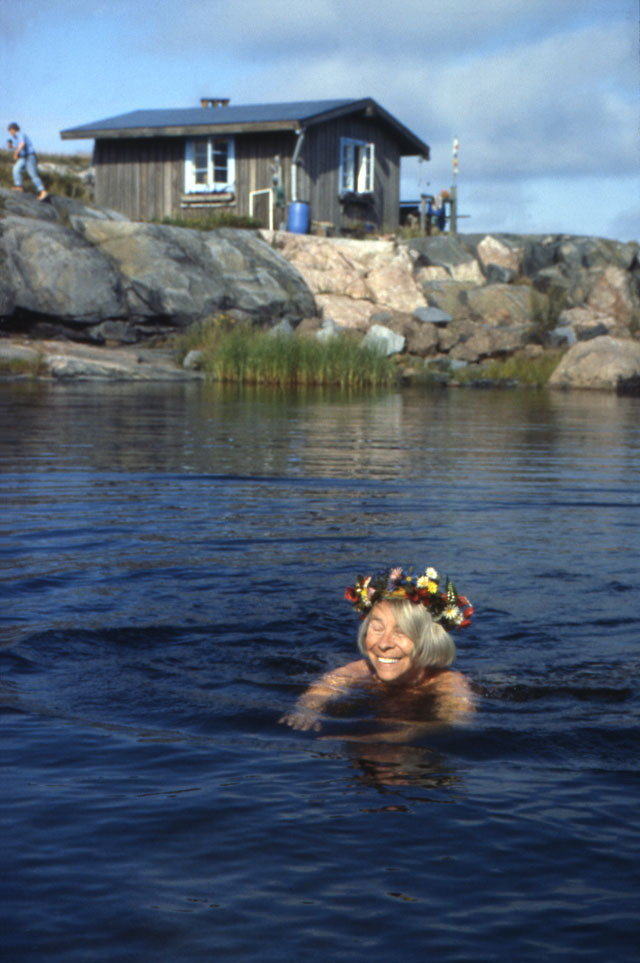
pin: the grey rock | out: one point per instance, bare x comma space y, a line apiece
264, 284
459, 330
187, 275
193, 360
551, 278
452, 297
329, 329
539, 253
67, 368
10, 351
284, 328
499, 274
83, 363
581, 269
440, 251
56, 209
75, 361
7, 301
421, 337
381, 317
562, 336
586, 334
595, 252
385, 340
491, 342
430, 315
53, 272
69, 209
121, 331
501, 303
500, 251
25, 204
65, 263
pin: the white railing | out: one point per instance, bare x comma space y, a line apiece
264, 190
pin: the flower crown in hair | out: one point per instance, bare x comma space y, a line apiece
453, 611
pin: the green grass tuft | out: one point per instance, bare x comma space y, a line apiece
532, 372
240, 353
211, 221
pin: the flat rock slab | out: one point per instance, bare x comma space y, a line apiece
68, 361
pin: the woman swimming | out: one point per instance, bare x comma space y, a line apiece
406, 649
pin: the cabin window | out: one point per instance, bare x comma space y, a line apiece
209, 165
356, 166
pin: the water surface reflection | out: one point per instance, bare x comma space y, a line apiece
174, 562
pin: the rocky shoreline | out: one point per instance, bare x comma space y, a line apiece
84, 292
24, 358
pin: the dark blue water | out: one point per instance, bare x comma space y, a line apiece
173, 565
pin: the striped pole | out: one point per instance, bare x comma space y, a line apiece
453, 220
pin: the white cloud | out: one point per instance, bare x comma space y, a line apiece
439, 29
561, 104
534, 89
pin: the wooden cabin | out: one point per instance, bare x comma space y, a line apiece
338, 160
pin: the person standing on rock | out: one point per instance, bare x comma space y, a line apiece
24, 156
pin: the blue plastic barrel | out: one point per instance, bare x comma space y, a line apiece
298, 217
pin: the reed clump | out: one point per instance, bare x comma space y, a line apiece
238, 352
532, 372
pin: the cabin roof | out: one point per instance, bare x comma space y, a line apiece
243, 118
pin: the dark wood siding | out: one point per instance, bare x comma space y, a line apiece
141, 177
255, 154
319, 182
144, 177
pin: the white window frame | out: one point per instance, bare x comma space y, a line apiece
357, 166
217, 178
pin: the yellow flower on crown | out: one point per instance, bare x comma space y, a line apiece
429, 580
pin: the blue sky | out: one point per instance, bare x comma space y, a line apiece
543, 95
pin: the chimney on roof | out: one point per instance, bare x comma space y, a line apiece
214, 101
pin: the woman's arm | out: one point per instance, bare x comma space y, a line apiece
308, 708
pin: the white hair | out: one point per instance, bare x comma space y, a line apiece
432, 644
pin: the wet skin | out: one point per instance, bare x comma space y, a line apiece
389, 660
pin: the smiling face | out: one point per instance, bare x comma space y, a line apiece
388, 649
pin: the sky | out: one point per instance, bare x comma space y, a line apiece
542, 95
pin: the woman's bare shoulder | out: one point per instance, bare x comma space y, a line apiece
452, 681
351, 672
454, 692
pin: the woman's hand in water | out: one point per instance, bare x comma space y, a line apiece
306, 713
302, 719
